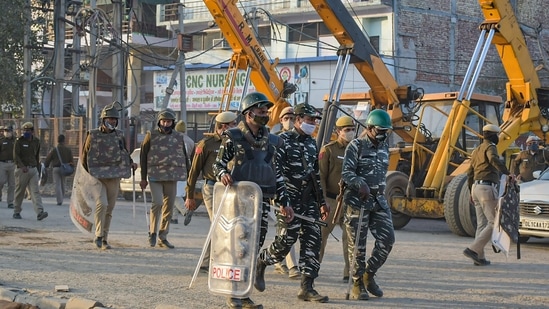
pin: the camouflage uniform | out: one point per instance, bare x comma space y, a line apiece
105, 157
7, 166
235, 151
366, 163
163, 161
58, 178
304, 200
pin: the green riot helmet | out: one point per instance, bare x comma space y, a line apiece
166, 114
110, 111
256, 99
379, 119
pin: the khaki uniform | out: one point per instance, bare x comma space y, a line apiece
483, 178
330, 161
26, 153
526, 163
105, 157
7, 167
58, 178
180, 195
163, 162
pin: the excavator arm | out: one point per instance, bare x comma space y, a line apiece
248, 54
385, 92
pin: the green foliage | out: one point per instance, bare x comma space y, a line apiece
13, 15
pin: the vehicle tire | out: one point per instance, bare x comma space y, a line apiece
396, 186
459, 211
523, 239
128, 196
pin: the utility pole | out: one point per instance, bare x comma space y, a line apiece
27, 93
182, 86
118, 63
75, 106
59, 69
91, 110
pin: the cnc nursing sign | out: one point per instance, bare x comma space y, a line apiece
204, 89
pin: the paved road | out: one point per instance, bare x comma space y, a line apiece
425, 270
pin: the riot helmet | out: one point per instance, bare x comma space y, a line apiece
166, 114
255, 99
110, 111
380, 119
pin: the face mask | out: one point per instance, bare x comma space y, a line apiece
307, 128
493, 139
533, 147
260, 120
381, 135
27, 135
109, 126
287, 124
166, 129
348, 136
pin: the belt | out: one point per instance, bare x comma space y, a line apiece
210, 182
485, 182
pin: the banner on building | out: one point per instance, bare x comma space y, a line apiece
204, 90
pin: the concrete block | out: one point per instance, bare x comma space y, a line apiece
7, 294
82, 303
51, 303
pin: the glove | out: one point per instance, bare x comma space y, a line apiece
364, 192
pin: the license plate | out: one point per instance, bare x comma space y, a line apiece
229, 273
535, 224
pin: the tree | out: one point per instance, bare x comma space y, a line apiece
13, 16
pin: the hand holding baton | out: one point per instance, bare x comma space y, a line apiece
312, 220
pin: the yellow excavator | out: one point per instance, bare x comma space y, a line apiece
248, 55
436, 131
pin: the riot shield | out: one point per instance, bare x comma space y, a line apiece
85, 191
235, 238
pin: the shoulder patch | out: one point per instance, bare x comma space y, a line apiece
198, 149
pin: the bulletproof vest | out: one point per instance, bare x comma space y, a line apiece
254, 162
108, 157
166, 159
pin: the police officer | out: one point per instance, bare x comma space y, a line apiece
7, 165
106, 158
330, 160
287, 119
364, 167
299, 157
530, 160
483, 178
164, 161
251, 149
179, 202
205, 155
56, 156
26, 154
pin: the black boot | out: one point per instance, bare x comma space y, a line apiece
359, 291
243, 303
260, 275
371, 284
307, 292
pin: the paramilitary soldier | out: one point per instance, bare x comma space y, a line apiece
330, 160
203, 160
299, 157
530, 160
7, 164
483, 178
365, 164
163, 160
252, 151
26, 153
106, 158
